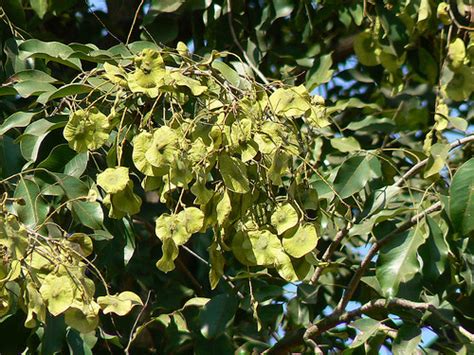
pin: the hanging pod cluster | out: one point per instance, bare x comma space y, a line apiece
223, 153
42, 274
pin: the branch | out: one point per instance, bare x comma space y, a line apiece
375, 248
380, 304
415, 168
244, 53
328, 253
337, 316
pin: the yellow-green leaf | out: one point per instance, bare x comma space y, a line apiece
119, 304
300, 242
284, 217
58, 293
234, 173
113, 180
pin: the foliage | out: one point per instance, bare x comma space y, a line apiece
171, 198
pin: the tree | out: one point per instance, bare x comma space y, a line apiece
236, 176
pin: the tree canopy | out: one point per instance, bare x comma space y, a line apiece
236, 176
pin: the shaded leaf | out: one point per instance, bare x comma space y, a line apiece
461, 202
217, 314
352, 176
407, 340
398, 260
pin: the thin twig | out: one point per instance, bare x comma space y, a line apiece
329, 252
105, 27
237, 43
134, 20
131, 337
415, 168
374, 249
225, 277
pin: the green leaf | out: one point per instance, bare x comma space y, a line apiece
265, 246
227, 72
223, 208
34, 209
345, 144
119, 304
398, 260
33, 88
35, 133
17, 120
301, 241
437, 159
320, 72
284, 217
40, 7
113, 180
54, 51
66, 90
166, 5
58, 293
283, 8
33, 75
196, 302
461, 201
217, 314
352, 176
365, 47
88, 213
367, 328
234, 173
435, 251
407, 340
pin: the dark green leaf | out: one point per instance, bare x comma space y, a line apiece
88, 213
217, 314
11, 160
76, 344
461, 202
64, 159
352, 176
34, 209
320, 72
407, 340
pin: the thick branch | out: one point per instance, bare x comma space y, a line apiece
334, 320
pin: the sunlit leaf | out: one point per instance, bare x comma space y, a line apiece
119, 304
